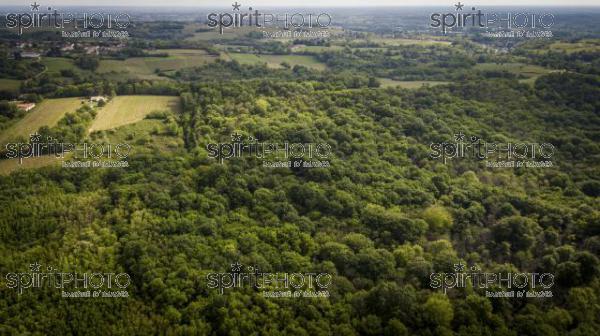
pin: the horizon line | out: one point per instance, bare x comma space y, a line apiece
313, 6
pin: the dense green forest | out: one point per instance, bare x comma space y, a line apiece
380, 219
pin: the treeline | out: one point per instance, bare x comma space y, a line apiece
585, 62
402, 63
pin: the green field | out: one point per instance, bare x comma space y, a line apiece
9, 84
10, 165
233, 48
526, 70
386, 82
46, 113
274, 61
125, 110
145, 67
55, 64
401, 41
244, 58
212, 34
318, 49
571, 47
149, 134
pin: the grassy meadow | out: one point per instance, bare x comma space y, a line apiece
46, 113
529, 71
55, 64
145, 67
123, 110
9, 84
274, 61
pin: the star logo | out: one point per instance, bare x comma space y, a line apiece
35, 138
35, 6
236, 267
459, 267
459, 137
236, 6
459, 6
35, 267
236, 137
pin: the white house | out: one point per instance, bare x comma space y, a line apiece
25, 106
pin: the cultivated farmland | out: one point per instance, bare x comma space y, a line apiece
123, 110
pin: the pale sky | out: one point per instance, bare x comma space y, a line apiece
303, 3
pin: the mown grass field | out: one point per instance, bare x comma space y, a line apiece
145, 67
55, 64
123, 110
9, 84
46, 113
274, 61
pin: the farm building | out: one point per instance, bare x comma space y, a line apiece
25, 106
97, 99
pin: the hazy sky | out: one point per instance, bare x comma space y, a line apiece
301, 3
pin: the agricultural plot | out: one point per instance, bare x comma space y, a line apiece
9, 84
530, 72
146, 67
386, 82
274, 61
46, 113
55, 64
123, 110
